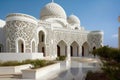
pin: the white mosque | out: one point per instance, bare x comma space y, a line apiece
54, 34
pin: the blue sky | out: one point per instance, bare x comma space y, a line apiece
93, 14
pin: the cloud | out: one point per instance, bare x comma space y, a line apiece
115, 35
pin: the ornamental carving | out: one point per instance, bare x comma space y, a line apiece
20, 29
95, 40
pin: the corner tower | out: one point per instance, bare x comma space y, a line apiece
20, 32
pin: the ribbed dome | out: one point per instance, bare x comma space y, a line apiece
52, 10
72, 19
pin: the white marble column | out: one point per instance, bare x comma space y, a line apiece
68, 52
80, 51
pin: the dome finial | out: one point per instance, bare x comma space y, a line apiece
52, 1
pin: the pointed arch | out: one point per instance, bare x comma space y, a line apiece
41, 29
41, 42
41, 35
74, 49
61, 48
85, 49
21, 46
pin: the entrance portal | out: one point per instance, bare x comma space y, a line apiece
41, 44
74, 49
61, 48
85, 49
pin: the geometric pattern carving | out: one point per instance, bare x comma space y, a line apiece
20, 29
95, 40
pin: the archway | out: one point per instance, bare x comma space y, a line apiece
58, 50
61, 48
85, 49
41, 43
20, 46
74, 49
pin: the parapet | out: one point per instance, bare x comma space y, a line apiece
21, 17
97, 32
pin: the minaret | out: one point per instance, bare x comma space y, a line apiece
119, 33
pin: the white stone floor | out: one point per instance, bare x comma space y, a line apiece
75, 69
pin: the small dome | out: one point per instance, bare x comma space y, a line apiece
72, 19
52, 10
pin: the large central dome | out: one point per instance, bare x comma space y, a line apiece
52, 10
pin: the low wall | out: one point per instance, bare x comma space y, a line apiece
20, 56
13, 69
40, 72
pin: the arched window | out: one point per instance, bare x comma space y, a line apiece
20, 46
41, 36
41, 43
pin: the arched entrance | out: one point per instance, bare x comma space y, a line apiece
85, 49
58, 50
74, 49
61, 48
20, 46
41, 44
41, 36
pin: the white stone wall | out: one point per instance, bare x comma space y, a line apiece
20, 56
55, 35
2, 39
40, 73
13, 69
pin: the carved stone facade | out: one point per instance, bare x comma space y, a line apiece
16, 30
95, 39
53, 34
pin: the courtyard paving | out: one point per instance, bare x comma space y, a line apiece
75, 69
